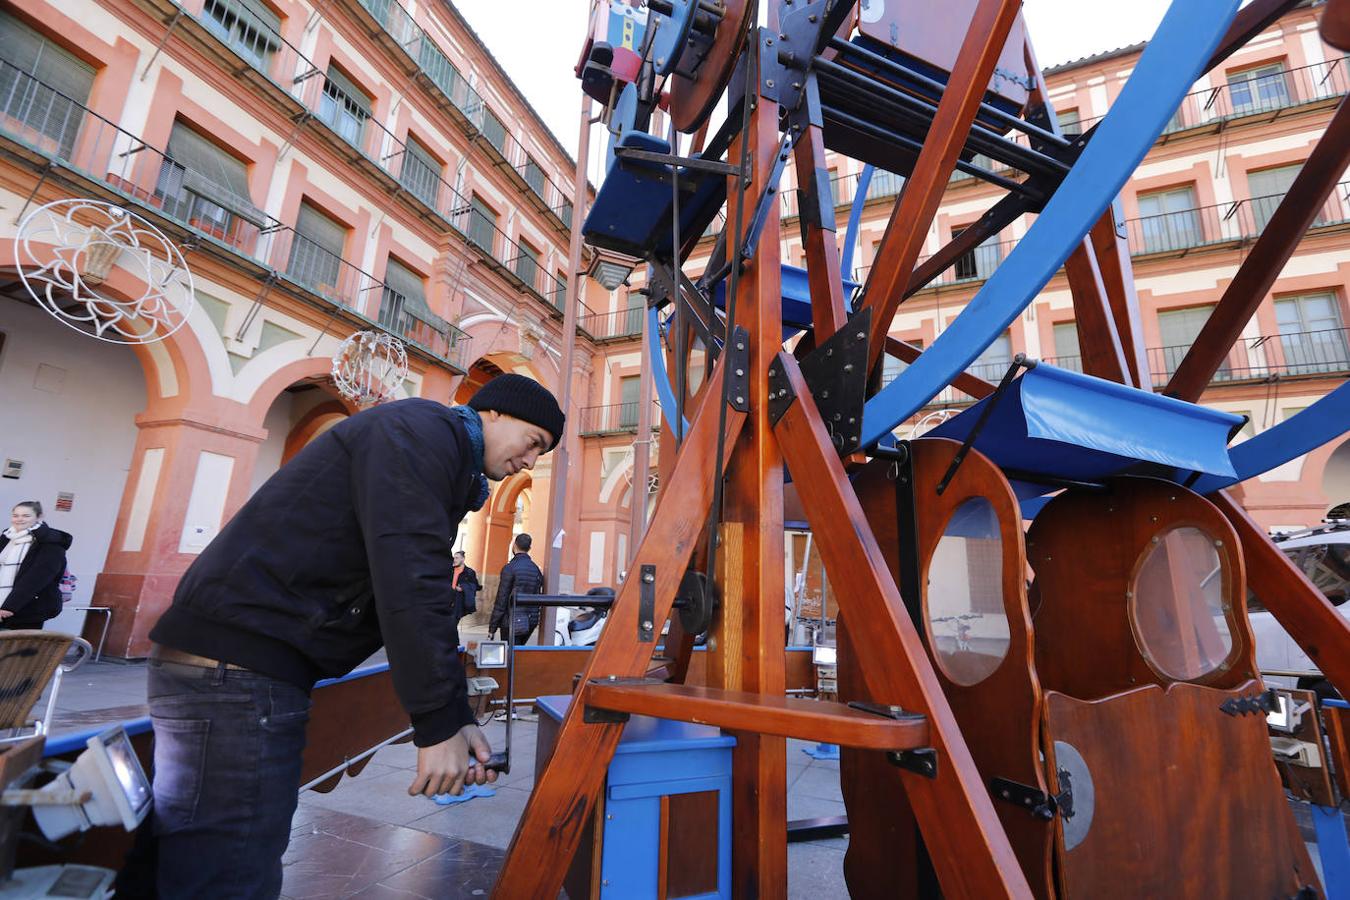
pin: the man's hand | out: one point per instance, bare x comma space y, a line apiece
446, 767
5, 614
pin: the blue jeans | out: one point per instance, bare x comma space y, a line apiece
228, 744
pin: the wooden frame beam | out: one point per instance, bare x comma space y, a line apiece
908, 226
969, 848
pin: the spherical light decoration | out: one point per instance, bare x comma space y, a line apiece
66, 252
369, 367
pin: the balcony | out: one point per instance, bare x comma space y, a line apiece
1292, 354
615, 418
1267, 95
1169, 234
623, 324
58, 130
843, 188
428, 64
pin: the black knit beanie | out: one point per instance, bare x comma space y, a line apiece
523, 398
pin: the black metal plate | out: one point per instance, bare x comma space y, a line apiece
836, 372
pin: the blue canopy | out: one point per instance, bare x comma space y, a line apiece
1060, 424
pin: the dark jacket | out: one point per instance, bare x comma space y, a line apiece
519, 576
36, 594
340, 551
466, 593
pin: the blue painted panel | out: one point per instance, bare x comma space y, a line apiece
1319, 424
1333, 846
79, 740
1165, 72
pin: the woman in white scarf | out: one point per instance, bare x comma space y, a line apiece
32, 561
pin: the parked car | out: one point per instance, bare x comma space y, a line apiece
1323, 554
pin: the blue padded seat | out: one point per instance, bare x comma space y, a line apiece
632, 209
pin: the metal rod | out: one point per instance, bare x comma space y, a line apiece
847, 48
981, 138
1018, 362
877, 131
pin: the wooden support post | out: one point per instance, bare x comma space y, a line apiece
969, 848
1299, 607
918, 203
1098, 340
973, 385
746, 652
565, 794
1117, 275
818, 238
1291, 219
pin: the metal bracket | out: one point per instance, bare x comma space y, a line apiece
898, 713
592, 715
836, 372
647, 604
738, 370
1262, 703
769, 198
781, 394
1034, 800
697, 164
921, 761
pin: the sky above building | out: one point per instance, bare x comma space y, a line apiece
537, 42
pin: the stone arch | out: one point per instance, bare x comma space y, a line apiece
314, 423
1336, 477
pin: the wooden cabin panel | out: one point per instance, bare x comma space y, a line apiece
1186, 803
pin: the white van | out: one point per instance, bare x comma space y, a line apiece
1323, 554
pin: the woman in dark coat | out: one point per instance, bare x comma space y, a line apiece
32, 561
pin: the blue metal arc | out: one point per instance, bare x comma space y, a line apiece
1319, 424
1168, 67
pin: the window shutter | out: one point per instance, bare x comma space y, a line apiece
320, 229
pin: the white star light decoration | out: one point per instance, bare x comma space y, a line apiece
369, 367
66, 251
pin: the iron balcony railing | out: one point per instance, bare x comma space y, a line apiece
843, 188
437, 70
615, 418
1287, 354
70, 134
1256, 92
622, 323
270, 55
1237, 222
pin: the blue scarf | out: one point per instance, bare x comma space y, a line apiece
473, 425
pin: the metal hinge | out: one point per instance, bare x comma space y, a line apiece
1034, 800
1262, 703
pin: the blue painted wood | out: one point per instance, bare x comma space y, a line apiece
1333, 846
656, 758
1166, 70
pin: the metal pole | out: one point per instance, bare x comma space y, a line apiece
557, 486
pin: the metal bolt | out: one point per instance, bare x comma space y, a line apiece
740, 399
614, 678
852, 420
769, 83
838, 416
740, 345
1129, 595
782, 37
848, 367
796, 85
1218, 543
824, 395
829, 351
647, 625
813, 17
609, 817
740, 372
1153, 540
860, 335
649, 578
1004, 794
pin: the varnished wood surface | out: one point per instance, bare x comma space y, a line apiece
1335, 25
1187, 800
348, 718
973, 385
985, 36
746, 640
969, 848
1085, 549
1299, 607
692, 99
1000, 716
1098, 341
794, 717
1112, 252
1338, 739
566, 792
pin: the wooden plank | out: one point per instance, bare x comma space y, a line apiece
1112, 252
746, 643
1098, 341
1338, 740
822, 251
566, 792
807, 720
1266, 260
918, 203
1145, 840
1299, 607
1335, 25
968, 846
